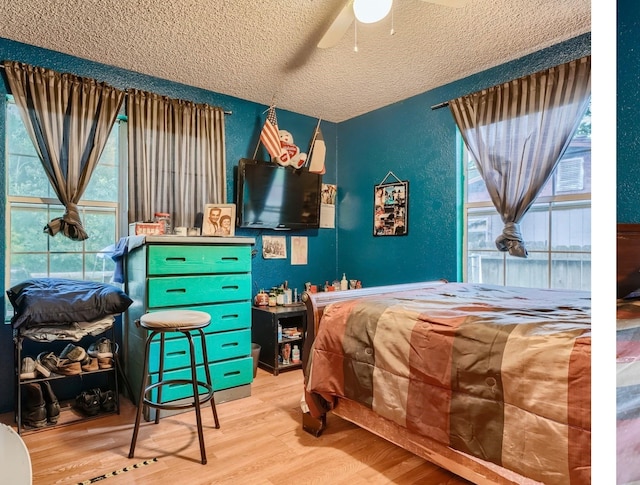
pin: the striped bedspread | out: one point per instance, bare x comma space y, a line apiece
628, 391
500, 373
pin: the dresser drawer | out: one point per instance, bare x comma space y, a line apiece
220, 346
187, 260
224, 316
228, 345
226, 374
193, 290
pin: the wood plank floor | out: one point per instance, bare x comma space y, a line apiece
260, 441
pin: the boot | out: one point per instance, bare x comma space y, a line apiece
51, 401
34, 413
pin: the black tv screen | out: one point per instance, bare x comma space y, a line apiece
270, 196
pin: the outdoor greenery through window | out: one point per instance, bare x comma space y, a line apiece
31, 204
556, 230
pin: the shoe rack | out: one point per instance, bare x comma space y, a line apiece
86, 382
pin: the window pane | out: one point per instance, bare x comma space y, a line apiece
535, 228
532, 271
571, 271
103, 185
486, 267
571, 227
483, 227
66, 266
101, 227
99, 267
27, 223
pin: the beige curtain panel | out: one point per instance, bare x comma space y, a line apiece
177, 160
69, 119
517, 132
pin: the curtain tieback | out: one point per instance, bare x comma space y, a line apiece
511, 240
69, 224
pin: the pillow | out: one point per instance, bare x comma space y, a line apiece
632, 295
58, 300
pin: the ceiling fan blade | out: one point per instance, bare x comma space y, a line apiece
339, 27
449, 3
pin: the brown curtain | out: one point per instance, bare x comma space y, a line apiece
69, 119
177, 160
517, 132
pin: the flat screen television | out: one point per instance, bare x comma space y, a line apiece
271, 196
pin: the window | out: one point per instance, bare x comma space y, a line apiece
556, 230
31, 204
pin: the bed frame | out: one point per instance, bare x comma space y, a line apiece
628, 259
473, 469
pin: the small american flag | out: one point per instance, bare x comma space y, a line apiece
269, 135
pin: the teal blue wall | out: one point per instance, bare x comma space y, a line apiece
407, 138
417, 144
628, 123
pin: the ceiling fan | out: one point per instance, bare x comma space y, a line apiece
349, 13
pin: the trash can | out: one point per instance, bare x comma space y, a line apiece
255, 353
15, 462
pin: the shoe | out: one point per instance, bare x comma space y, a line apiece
41, 369
34, 413
68, 368
48, 360
90, 365
28, 369
88, 403
73, 353
105, 362
107, 400
101, 348
51, 402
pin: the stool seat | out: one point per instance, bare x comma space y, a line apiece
175, 319
184, 322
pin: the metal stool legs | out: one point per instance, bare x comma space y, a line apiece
145, 390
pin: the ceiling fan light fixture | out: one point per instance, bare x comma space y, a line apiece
370, 11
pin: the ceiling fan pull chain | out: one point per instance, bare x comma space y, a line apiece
355, 36
393, 31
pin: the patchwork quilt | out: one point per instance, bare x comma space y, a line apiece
628, 391
500, 373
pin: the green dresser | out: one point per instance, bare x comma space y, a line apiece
209, 274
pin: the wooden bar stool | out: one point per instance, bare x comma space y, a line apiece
161, 323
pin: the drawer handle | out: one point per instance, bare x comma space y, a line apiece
229, 258
177, 352
176, 290
230, 344
235, 315
234, 373
230, 287
176, 259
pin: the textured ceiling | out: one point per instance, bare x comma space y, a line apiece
265, 50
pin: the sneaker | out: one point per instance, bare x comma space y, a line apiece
88, 403
73, 353
28, 369
101, 348
68, 368
41, 369
105, 362
90, 365
48, 360
107, 400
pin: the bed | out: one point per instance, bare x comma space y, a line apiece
403, 362
628, 354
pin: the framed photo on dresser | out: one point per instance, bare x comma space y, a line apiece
219, 220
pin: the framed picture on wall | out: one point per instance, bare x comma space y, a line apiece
391, 201
219, 220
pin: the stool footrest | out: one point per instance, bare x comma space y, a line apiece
203, 398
